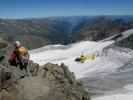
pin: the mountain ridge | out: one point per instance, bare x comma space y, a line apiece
62, 30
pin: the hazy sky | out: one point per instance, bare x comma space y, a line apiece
45, 8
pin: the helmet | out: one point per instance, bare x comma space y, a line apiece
17, 44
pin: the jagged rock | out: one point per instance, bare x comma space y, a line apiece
53, 82
58, 73
3, 45
48, 82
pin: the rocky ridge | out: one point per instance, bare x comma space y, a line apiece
47, 82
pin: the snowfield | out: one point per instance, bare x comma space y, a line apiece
112, 68
59, 54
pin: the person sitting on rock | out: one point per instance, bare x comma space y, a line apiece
19, 56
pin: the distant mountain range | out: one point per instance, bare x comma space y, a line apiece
35, 33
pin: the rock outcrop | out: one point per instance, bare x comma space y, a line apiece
48, 82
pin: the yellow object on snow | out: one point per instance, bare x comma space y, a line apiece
84, 58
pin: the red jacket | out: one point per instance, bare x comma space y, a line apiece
13, 56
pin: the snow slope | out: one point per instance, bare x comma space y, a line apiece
109, 73
58, 54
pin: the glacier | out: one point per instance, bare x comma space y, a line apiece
108, 75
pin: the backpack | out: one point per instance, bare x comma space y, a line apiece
22, 51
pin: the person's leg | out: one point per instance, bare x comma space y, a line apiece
25, 66
21, 65
27, 69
